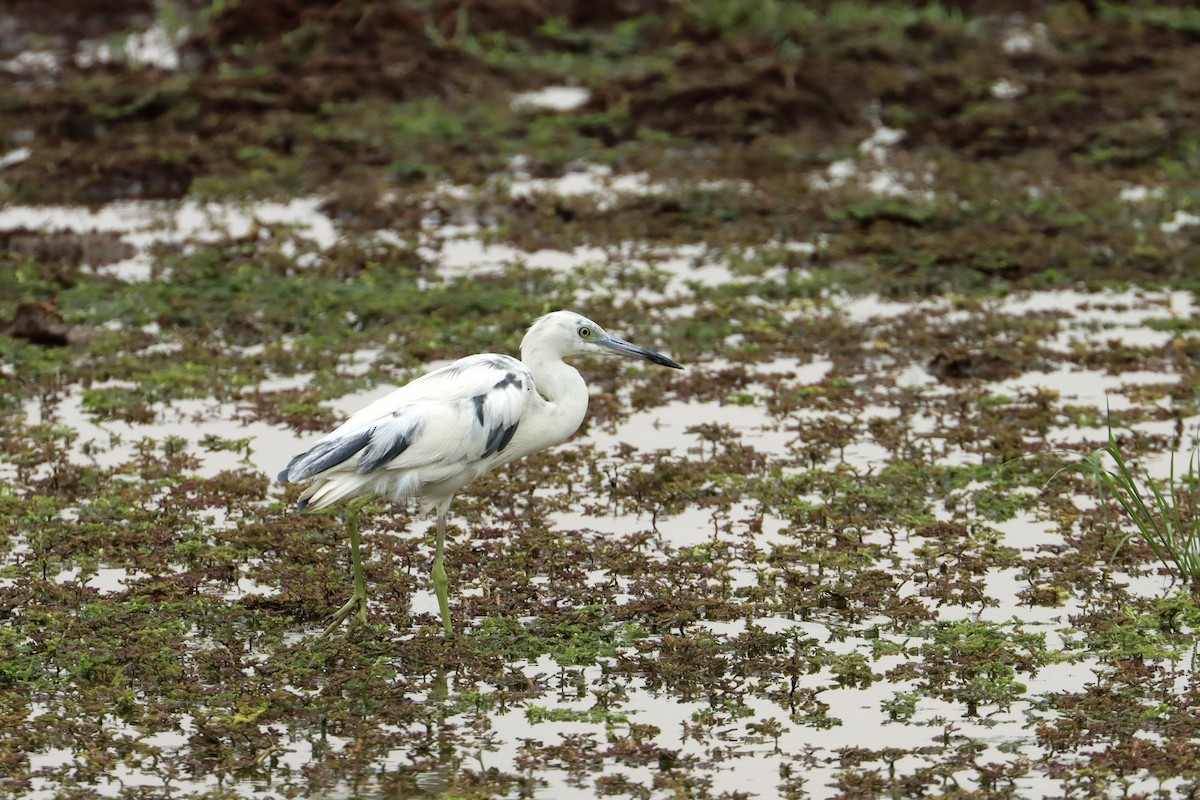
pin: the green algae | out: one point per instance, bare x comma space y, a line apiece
754, 576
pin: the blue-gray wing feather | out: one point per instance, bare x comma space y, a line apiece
325, 454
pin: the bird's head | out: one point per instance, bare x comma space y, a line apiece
565, 333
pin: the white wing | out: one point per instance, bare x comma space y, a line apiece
441, 423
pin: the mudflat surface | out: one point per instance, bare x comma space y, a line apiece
919, 261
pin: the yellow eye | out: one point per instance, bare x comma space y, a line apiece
585, 332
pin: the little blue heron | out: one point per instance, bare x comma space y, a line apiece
433, 436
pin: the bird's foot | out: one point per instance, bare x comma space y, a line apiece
356, 605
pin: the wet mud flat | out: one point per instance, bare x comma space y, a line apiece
918, 261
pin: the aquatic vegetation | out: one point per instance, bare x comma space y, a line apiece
910, 250
1162, 512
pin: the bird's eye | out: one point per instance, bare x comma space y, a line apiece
585, 332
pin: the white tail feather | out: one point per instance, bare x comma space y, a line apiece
326, 492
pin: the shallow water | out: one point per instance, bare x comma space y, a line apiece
842, 555
775, 413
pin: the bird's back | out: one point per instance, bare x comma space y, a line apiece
428, 438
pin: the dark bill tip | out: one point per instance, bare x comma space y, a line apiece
622, 347
661, 360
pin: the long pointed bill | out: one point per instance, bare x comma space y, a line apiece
624, 348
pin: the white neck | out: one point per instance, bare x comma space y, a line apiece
563, 393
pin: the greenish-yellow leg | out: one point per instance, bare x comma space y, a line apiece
440, 581
357, 604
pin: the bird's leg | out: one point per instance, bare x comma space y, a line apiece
358, 601
360, 581
440, 581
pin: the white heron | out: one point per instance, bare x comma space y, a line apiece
433, 436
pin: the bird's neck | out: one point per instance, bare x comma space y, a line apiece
561, 387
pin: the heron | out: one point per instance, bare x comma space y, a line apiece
434, 435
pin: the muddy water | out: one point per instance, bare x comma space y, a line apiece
718, 733
837, 557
